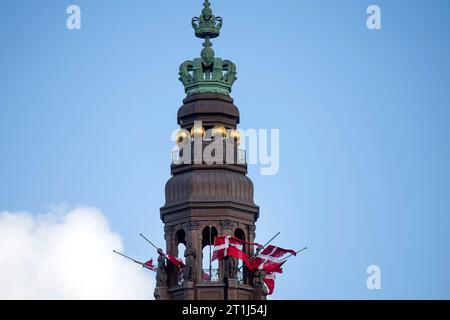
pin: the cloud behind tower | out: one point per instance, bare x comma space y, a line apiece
66, 255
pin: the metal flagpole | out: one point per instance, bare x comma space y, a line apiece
258, 249
149, 241
267, 243
135, 261
210, 252
159, 250
289, 256
273, 238
121, 254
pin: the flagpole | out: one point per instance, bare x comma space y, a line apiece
210, 252
149, 241
258, 249
121, 254
267, 243
159, 250
289, 256
273, 238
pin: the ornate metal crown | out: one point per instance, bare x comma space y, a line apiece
207, 73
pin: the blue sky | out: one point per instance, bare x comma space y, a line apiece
86, 118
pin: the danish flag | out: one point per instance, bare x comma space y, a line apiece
205, 276
269, 282
269, 259
226, 246
149, 265
176, 261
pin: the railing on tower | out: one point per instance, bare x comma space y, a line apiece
176, 158
180, 278
213, 277
240, 276
242, 156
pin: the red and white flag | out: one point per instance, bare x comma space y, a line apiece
226, 246
149, 265
269, 259
269, 282
176, 261
205, 276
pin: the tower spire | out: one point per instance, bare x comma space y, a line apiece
209, 193
207, 73
207, 26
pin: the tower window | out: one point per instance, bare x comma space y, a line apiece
242, 274
210, 268
180, 238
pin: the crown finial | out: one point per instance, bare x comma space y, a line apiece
207, 10
207, 25
207, 73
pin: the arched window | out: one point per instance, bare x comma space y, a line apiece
240, 234
210, 269
180, 238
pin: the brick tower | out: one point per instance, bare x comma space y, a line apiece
209, 193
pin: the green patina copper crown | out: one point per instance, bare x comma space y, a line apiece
207, 73
207, 25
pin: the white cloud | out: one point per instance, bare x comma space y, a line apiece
66, 255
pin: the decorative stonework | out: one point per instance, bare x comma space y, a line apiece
228, 225
191, 225
190, 255
252, 230
168, 230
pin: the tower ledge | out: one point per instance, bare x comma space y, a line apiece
210, 108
